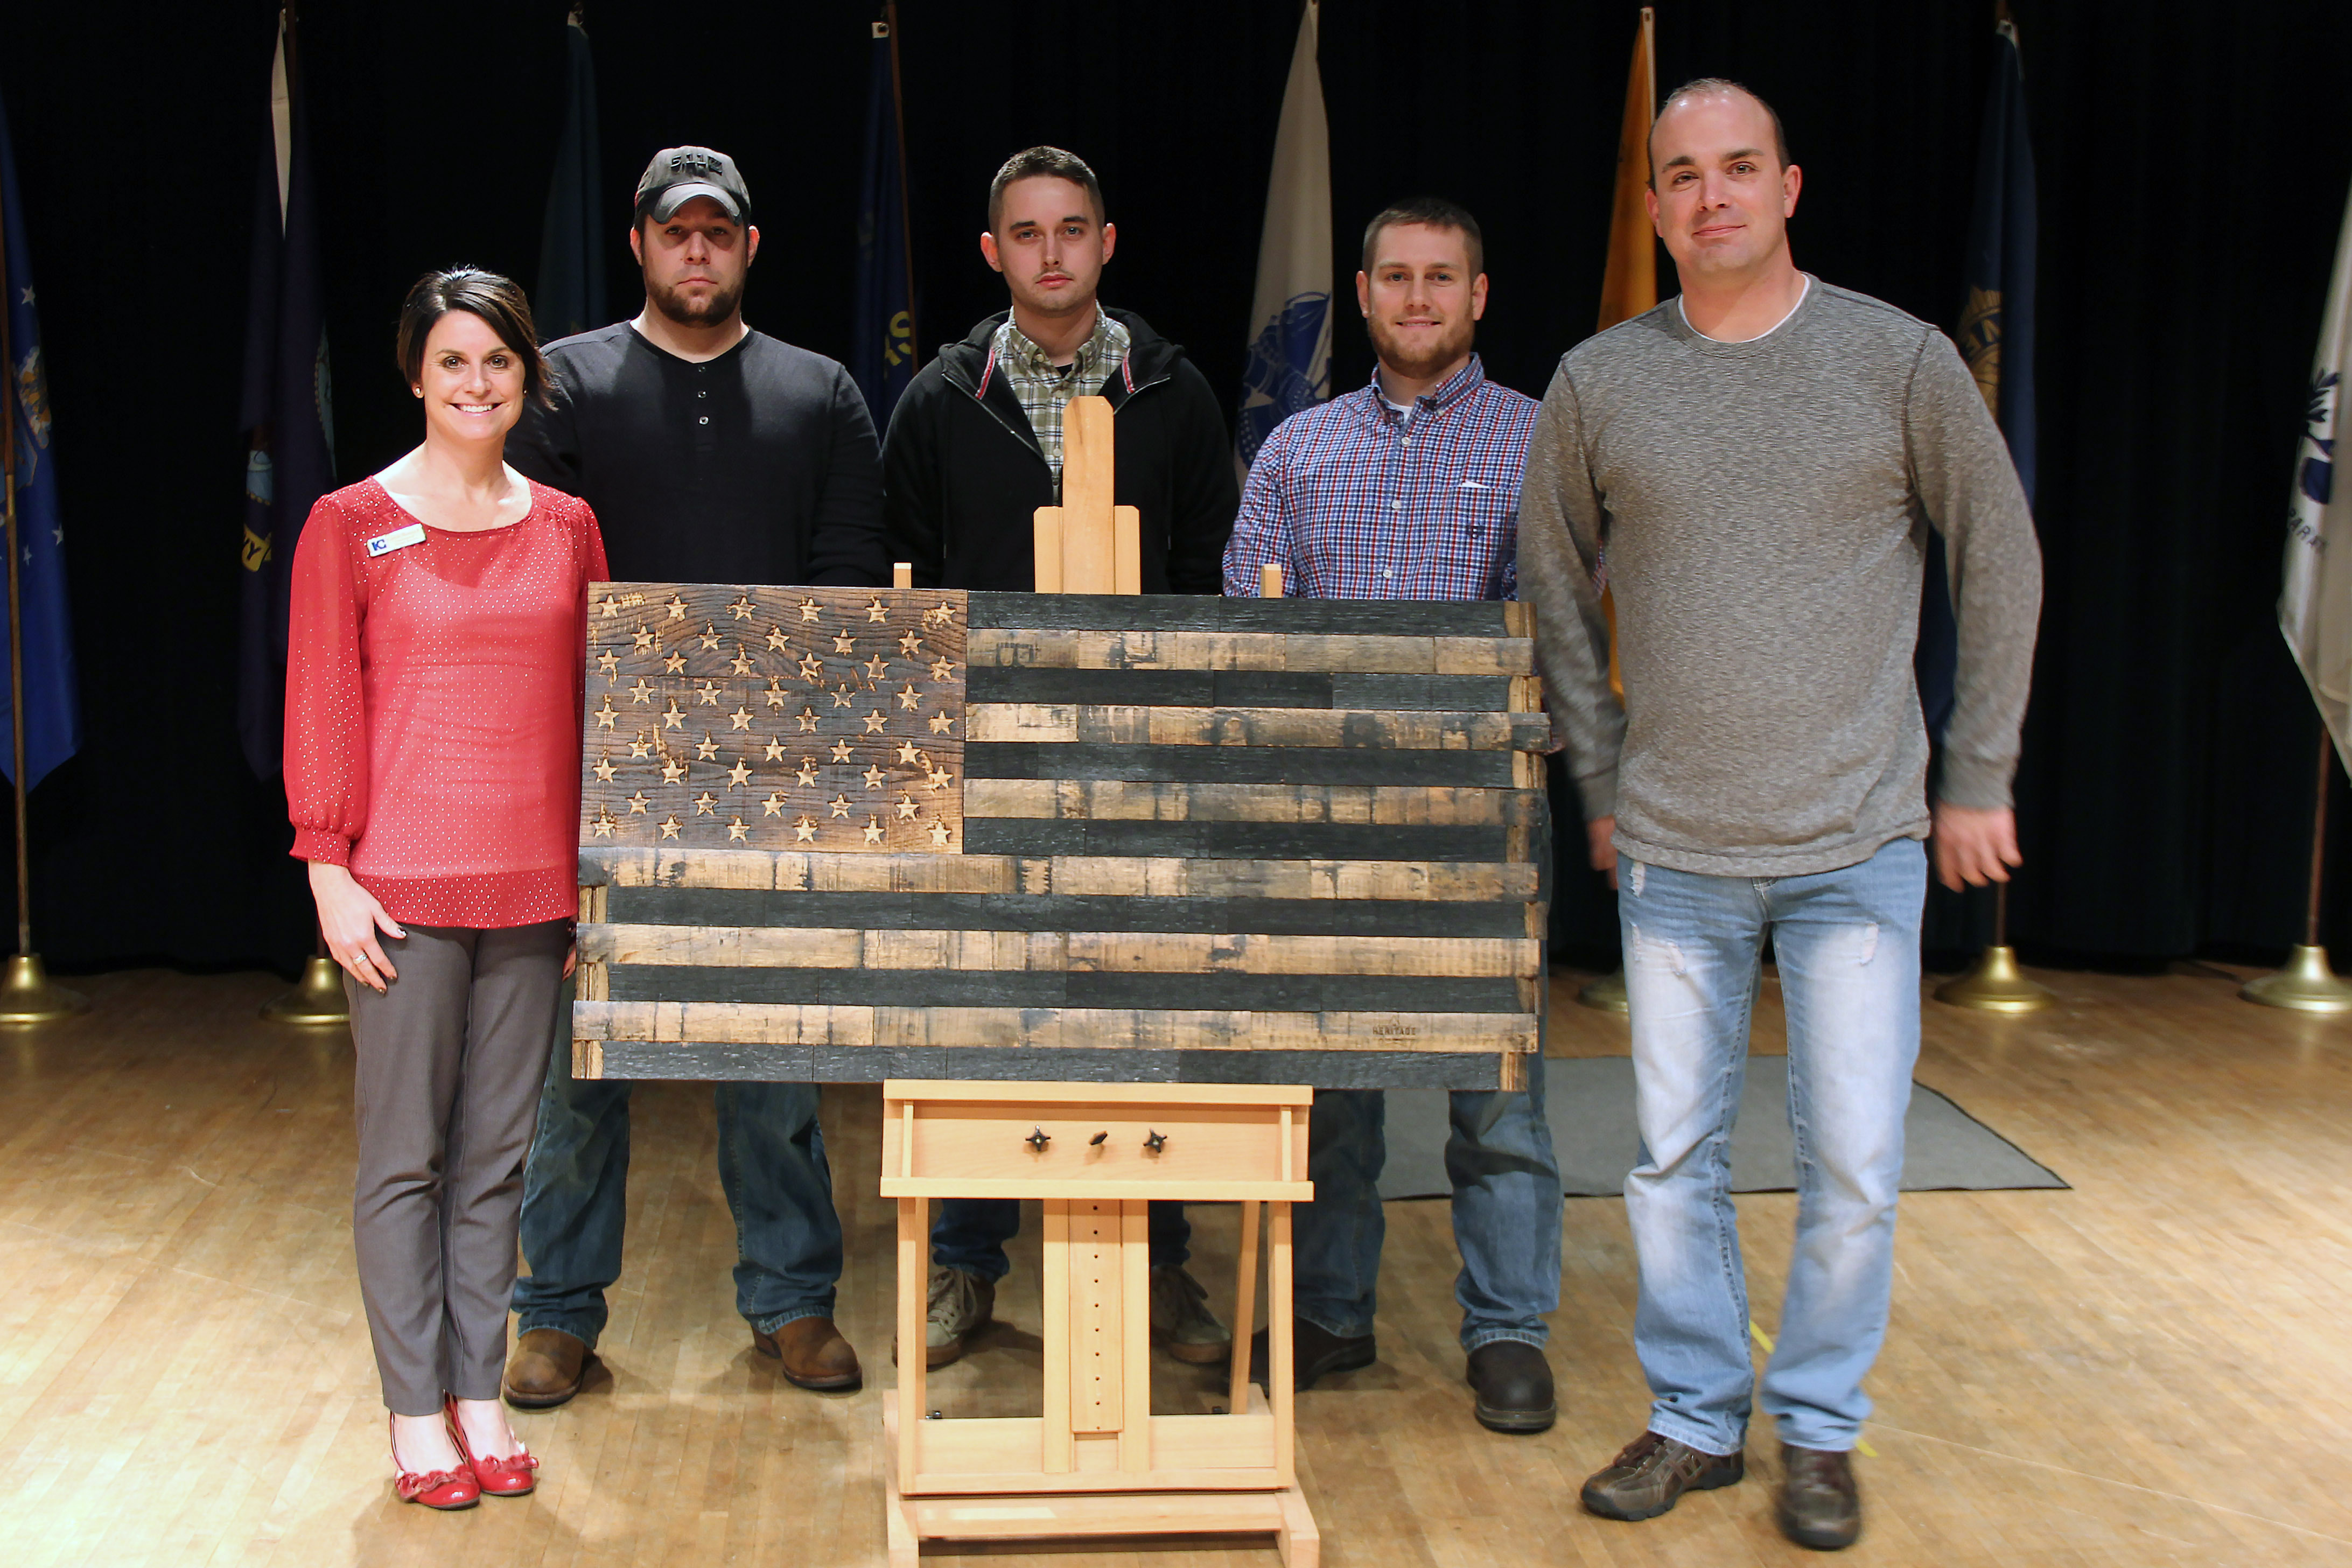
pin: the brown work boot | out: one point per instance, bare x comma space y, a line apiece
1819, 1506
1651, 1474
1182, 1320
547, 1368
813, 1353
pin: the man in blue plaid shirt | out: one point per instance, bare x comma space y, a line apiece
1410, 490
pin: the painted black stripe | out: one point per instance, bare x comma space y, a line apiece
852, 1064
1189, 613
1241, 688
1024, 911
1237, 764
1233, 840
1058, 988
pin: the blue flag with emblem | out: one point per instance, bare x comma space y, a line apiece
882, 352
285, 413
52, 700
1995, 336
1290, 313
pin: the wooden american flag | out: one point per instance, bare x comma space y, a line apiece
859, 834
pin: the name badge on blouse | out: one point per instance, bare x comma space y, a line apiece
386, 544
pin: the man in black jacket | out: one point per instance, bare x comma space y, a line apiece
974, 450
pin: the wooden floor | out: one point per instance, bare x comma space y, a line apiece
2153, 1367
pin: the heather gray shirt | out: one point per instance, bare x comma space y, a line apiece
1763, 509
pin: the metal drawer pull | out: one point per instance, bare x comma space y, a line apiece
1097, 1141
1156, 1142
1038, 1139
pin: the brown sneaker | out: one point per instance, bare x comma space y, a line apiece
547, 1368
1650, 1476
813, 1353
1819, 1506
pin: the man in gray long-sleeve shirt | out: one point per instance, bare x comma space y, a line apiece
1753, 469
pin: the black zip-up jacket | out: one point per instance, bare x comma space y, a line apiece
963, 477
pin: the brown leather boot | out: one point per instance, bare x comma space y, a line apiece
547, 1368
1818, 1505
813, 1353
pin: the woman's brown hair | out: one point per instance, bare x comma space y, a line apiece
498, 301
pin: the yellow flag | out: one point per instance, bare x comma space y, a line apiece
1629, 286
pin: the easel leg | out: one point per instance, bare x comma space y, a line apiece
1279, 1318
1244, 1309
1298, 1541
914, 1308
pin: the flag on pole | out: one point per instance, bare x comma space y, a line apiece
572, 241
287, 413
882, 354
1290, 315
1629, 282
1995, 336
52, 704
2316, 609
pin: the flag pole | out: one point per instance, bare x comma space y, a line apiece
2306, 983
26, 996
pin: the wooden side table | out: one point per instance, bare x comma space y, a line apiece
1097, 1462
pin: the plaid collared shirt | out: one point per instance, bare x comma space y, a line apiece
1045, 387
1354, 502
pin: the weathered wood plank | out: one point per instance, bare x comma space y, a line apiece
793, 871
1124, 800
1099, 724
1015, 911
1181, 613
1061, 988
706, 1060
1175, 953
1218, 650
1335, 841
1241, 765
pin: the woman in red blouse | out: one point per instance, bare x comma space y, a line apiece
432, 702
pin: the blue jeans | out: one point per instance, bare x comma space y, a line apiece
1506, 1212
969, 1233
575, 1192
1847, 943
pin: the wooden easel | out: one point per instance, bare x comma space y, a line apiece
1097, 1462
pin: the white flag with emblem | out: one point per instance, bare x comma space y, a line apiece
1290, 315
2316, 609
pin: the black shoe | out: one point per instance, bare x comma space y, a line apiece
1512, 1381
1314, 1353
1818, 1506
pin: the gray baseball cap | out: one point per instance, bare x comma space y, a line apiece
678, 174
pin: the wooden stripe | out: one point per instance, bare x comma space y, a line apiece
1389, 917
736, 1023
1117, 800
1161, 952
1401, 995
1251, 651
1239, 840
1355, 729
1241, 765
1255, 689
707, 1060
1112, 876
1190, 613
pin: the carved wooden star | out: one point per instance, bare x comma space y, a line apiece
775, 752
706, 748
841, 697
670, 825
741, 718
604, 769
775, 694
875, 666
804, 830
776, 639
941, 669
645, 638
637, 747
703, 803
609, 663
939, 832
940, 724
876, 611
808, 720
611, 606
910, 698
774, 804
675, 718
808, 609
676, 609
637, 804
807, 774
604, 715
873, 830
706, 694
938, 779
841, 751
741, 662
737, 832
709, 634
907, 753
675, 664
941, 614
743, 608
604, 825
844, 643
642, 691
874, 722
811, 667
872, 777
840, 805
672, 770
910, 643
907, 807
738, 775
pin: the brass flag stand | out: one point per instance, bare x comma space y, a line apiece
2306, 983
317, 998
1994, 984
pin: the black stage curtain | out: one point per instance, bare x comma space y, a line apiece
2192, 172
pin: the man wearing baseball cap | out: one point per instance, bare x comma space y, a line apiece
710, 453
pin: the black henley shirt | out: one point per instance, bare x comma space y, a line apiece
759, 465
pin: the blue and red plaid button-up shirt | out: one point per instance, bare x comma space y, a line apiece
1354, 502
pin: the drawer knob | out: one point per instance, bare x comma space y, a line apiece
1156, 1142
1038, 1139
1097, 1141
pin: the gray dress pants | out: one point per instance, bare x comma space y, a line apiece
450, 1059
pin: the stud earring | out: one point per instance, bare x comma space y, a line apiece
417, 390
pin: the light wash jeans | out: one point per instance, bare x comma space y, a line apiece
1847, 942
575, 1194
1505, 1180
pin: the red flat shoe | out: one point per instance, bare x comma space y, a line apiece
443, 1489
508, 1477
